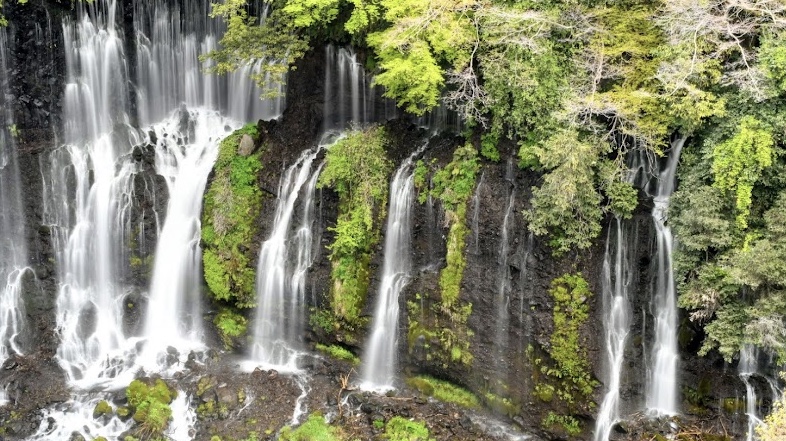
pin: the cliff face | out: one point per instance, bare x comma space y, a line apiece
507, 278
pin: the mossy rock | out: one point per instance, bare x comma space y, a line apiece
232, 206
103, 408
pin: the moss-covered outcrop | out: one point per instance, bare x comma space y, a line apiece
443, 325
564, 379
233, 203
357, 169
149, 401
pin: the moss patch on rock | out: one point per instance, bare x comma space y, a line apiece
231, 327
233, 203
357, 169
443, 323
149, 400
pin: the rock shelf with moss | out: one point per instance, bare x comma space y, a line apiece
233, 203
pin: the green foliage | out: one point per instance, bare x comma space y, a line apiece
150, 404
443, 391
566, 207
567, 375
314, 429
738, 164
774, 427
569, 424
231, 326
453, 186
229, 223
245, 39
571, 309
488, 146
357, 168
423, 35
411, 77
339, 352
402, 429
772, 56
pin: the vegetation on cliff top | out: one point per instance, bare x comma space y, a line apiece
229, 222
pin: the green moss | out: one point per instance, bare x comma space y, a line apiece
488, 146
339, 352
102, 408
500, 405
402, 429
231, 326
357, 168
150, 405
444, 320
314, 429
443, 391
566, 423
232, 205
566, 376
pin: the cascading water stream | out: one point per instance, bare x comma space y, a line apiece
379, 368
97, 134
748, 367
173, 313
502, 298
170, 38
616, 279
280, 287
662, 395
13, 259
89, 192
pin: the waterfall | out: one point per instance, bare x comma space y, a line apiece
379, 369
502, 299
662, 394
616, 307
173, 312
474, 227
13, 259
748, 367
170, 38
91, 227
280, 287
349, 95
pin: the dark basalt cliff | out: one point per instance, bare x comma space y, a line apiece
503, 367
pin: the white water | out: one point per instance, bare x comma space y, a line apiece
662, 393
280, 287
173, 313
88, 196
748, 367
380, 364
616, 279
13, 259
97, 134
170, 37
